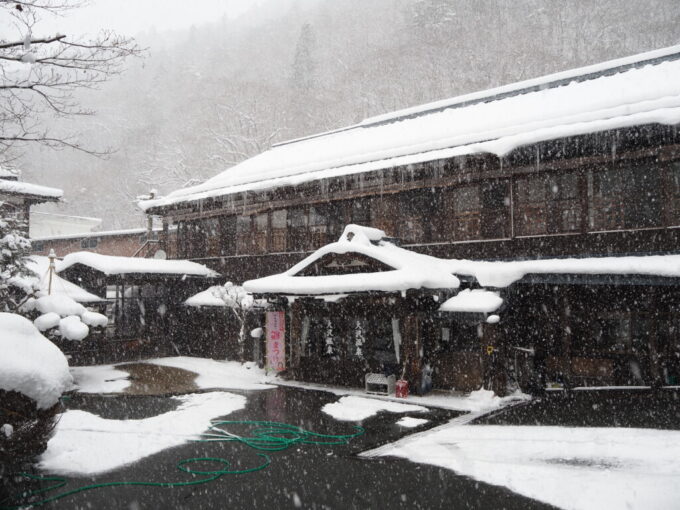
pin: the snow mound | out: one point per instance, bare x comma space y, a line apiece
71, 328
30, 364
94, 319
56, 303
47, 321
358, 408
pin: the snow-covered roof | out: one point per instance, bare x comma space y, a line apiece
638, 90
28, 189
109, 264
206, 298
410, 270
503, 274
103, 233
6, 172
60, 287
473, 300
414, 271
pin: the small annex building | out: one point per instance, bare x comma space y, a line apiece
17, 197
365, 305
143, 299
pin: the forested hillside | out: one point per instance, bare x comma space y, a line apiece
209, 97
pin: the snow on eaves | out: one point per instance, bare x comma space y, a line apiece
100, 233
411, 270
637, 96
473, 300
206, 298
414, 271
109, 264
28, 189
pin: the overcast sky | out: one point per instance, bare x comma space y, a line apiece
131, 17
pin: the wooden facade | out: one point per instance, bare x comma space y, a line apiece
610, 193
146, 312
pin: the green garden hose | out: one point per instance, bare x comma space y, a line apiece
267, 436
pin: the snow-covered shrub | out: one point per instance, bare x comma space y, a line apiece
33, 375
60, 316
241, 304
14, 250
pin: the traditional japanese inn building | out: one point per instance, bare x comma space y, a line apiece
583, 164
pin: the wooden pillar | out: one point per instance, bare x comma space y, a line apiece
493, 358
655, 371
295, 334
410, 351
565, 325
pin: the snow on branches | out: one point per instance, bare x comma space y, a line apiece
240, 303
39, 73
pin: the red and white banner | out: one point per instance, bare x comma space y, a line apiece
276, 347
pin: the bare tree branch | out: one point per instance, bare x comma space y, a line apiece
40, 75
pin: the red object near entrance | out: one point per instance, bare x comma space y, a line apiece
402, 388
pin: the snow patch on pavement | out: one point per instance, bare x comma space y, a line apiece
478, 402
571, 468
358, 408
100, 379
409, 422
212, 374
86, 444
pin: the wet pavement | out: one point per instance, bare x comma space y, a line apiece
609, 407
303, 476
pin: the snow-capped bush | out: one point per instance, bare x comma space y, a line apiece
61, 316
30, 364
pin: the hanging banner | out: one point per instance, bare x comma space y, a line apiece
276, 348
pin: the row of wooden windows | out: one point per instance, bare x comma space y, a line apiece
630, 196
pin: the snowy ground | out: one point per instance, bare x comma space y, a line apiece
359, 408
87, 444
100, 379
571, 468
476, 402
211, 374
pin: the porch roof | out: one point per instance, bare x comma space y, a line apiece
417, 271
113, 265
410, 270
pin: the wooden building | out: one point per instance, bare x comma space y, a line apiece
17, 197
584, 163
134, 242
363, 305
144, 300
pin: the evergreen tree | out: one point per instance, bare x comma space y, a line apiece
14, 249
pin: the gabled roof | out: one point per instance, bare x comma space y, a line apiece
58, 286
415, 271
639, 90
411, 270
111, 265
